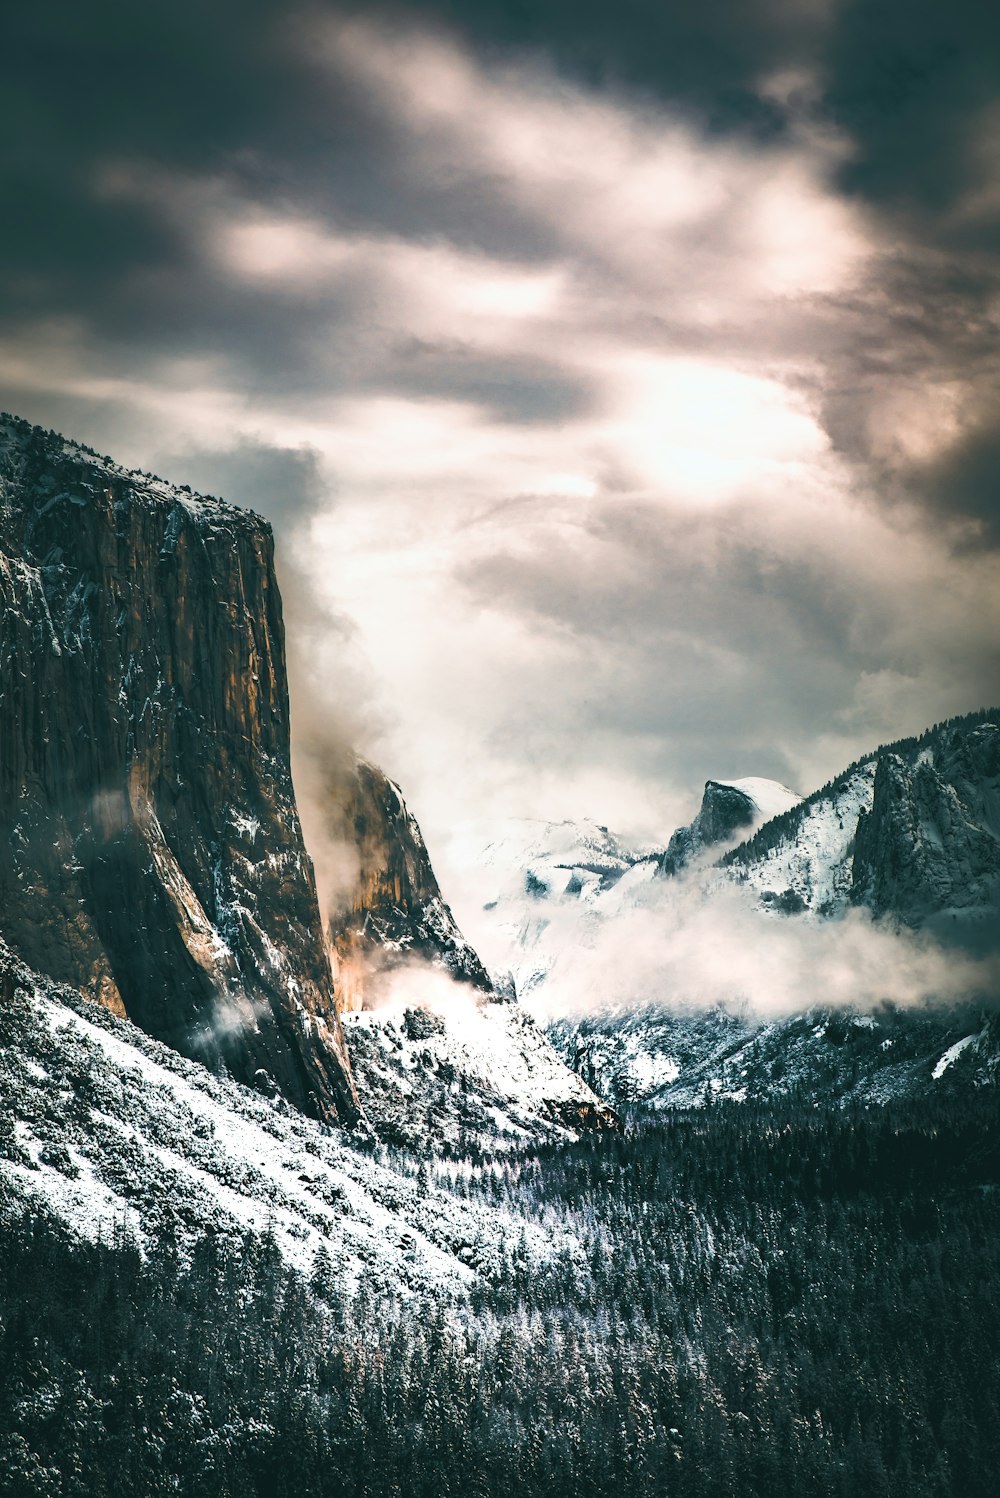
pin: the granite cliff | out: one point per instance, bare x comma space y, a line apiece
150, 848
394, 912
928, 850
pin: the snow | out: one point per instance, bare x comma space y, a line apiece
770, 797
547, 882
202, 508
814, 857
438, 1060
158, 1141
660, 1058
951, 1055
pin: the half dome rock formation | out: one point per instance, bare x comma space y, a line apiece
728, 808
150, 848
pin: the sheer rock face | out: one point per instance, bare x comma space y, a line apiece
928, 850
150, 847
724, 810
395, 911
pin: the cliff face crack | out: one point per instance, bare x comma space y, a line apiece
143, 729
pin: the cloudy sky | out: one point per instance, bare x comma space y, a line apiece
621, 380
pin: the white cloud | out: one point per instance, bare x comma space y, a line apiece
684, 949
578, 494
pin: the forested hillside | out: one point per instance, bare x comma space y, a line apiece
784, 1301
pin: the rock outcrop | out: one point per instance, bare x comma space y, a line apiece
394, 913
728, 808
928, 850
150, 848
725, 809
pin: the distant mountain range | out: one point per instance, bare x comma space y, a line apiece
909, 835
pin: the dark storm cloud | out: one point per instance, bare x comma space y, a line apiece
708, 58
164, 82
915, 85
914, 81
282, 484
966, 481
603, 362
187, 88
908, 79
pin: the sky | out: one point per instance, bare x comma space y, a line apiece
621, 381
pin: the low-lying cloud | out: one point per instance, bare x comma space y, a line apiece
686, 950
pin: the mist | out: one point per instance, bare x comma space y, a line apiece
687, 948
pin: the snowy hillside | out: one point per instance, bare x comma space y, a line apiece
443, 1067
811, 867
911, 832
652, 1057
109, 1130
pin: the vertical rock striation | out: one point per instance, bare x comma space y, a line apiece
150, 847
928, 850
394, 912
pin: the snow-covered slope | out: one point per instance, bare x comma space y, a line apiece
652, 1057
809, 864
109, 1131
912, 832
444, 1067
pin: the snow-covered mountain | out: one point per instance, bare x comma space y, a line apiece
555, 883
441, 1058
443, 1066
653, 1057
151, 853
628, 955
540, 873
910, 832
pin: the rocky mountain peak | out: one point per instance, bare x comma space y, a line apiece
393, 912
728, 808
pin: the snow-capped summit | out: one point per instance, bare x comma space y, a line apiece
729, 810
